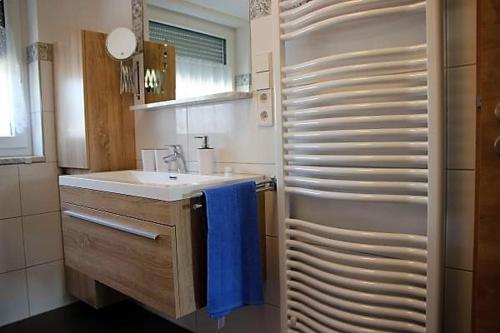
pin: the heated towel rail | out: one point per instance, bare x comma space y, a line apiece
358, 91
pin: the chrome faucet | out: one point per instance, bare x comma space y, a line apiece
176, 156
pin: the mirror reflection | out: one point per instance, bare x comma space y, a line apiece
195, 48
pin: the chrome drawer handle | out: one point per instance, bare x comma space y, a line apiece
112, 224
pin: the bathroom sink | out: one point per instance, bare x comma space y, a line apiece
154, 185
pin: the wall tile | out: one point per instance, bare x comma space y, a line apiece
49, 136
460, 220
248, 168
138, 22
233, 132
259, 8
461, 32
272, 287
46, 287
13, 289
251, 319
10, 202
37, 133
39, 188
11, 245
34, 86
159, 128
461, 117
47, 85
42, 238
40, 51
458, 301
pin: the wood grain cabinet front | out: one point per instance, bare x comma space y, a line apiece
150, 250
157, 259
134, 257
95, 129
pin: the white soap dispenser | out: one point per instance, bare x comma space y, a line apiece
205, 157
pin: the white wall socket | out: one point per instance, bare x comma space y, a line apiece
265, 108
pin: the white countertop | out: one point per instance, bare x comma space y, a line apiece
154, 185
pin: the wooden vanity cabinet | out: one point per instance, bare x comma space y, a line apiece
95, 128
152, 251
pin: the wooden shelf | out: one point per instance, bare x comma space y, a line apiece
215, 98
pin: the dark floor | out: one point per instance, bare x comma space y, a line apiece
123, 317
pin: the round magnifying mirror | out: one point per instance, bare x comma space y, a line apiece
121, 43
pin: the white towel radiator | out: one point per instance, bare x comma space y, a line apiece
358, 91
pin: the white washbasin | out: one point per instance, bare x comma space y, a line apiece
155, 185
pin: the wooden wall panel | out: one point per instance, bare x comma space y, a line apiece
69, 103
110, 124
95, 129
486, 291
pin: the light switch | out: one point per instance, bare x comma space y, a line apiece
265, 108
262, 81
262, 62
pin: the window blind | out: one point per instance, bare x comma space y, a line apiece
3, 33
2, 15
189, 43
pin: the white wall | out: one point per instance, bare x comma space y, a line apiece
58, 18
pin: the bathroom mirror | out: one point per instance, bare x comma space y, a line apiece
121, 43
211, 39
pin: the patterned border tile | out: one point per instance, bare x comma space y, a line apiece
243, 80
259, 8
40, 51
138, 22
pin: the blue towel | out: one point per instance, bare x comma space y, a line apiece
234, 265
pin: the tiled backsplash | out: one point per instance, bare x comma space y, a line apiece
31, 265
40, 67
231, 127
31, 256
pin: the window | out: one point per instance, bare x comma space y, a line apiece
201, 60
189, 43
15, 136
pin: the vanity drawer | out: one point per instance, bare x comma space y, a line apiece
157, 211
135, 257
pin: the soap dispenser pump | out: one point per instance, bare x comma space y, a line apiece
205, 157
